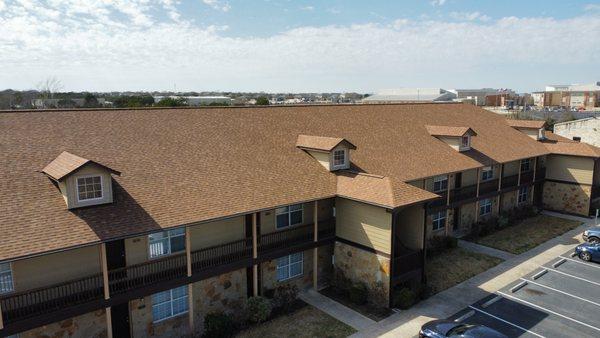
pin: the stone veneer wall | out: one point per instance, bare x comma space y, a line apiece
570, 198
367, 267
89, 325
269, 274
467, 217
509, 200
142, 325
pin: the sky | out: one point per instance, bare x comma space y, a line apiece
298, 46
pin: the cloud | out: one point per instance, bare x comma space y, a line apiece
469, 16
307, 8
438, 2
218, 5
592, 7
97, 46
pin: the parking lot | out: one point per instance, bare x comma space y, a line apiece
560, 299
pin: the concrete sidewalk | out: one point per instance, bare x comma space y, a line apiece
446, 303
470, 246
336, 310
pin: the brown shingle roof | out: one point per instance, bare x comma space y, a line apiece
186, 166
321, 142
448, 131
527, 124
66, 163
559, 145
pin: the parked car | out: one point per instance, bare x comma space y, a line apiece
448, 328
588, 252
592, 235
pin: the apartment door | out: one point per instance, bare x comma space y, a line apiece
115, 254
120, 320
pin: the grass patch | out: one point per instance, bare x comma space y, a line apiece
526, 234
368, 310
454, 266
306, 321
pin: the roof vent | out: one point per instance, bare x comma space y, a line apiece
577, 138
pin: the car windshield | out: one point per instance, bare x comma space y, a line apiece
458, 330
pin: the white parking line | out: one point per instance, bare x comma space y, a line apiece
566, 274
547, 310
584, 263
506, 321
564, 293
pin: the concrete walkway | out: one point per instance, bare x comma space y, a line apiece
486, 250
446, 303
336, 310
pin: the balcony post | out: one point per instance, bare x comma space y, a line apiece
254, 256
500, 177
519, 177
104, 265
1, 320
188, 260
478, 181
315, 250
533, 180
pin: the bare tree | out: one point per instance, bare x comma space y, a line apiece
49, 87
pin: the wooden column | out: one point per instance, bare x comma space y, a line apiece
254, 256
104, 266
316, 250
519, 177
478, 180
533, 183
446, 230
1, 320
188, 259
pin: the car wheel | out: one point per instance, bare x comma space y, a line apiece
586, 256
594, 240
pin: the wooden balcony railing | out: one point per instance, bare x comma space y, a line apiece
408, 262
527, 177
463, 193
488, 187
440, 201
510, 181
294, 236
30, 303
207, 258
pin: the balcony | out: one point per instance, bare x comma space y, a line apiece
443, 201
488, 187
510, 181
407, 264
527, 177
540, 174
463, 193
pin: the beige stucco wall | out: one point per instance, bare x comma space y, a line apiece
366, 267
533, 133
56, 268
136, 250
364, 224
89, 325
570, 198
215, 233
570, 168
469, 177
69, 188
410, 226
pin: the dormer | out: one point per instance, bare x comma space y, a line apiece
459, 138
532, 128
332, 152
82, 182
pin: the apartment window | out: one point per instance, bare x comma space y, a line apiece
89, 188
166, 242
525, 165
339, 158
487, 173
522, 195
541, 134
290, 215
6, 279
170, 303
438, 220
440, 183
485, 207
465, 141
290, 266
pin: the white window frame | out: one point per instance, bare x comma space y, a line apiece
6, 275
438, 218
279, 211
541, 134
439, 179
344, 164
169, 237
464, 146
288, 266
525, 160
484, 205
171, 301
89, 199
522, 195
488, 172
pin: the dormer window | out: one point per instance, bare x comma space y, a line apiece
466, 141
331, 152
459, 138
89, 188
339, 158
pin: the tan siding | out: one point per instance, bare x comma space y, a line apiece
533, 133
322, 157
71, 186
364, 224
410, 226
268, 223
570, 169
136, 250
511, 168
215, 233
469, 177
453, 142
56, 268
417, 183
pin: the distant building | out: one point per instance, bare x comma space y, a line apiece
64, 103
199, 100
411, 95
478, 96
584, 130
584, 96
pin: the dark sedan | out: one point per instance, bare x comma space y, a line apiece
588, 252
448, 328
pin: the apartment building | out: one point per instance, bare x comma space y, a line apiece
138, 223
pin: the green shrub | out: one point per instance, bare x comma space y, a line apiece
341, 282
218, 325
358, 293
258, 309
404, 298
503, 221
284, 296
